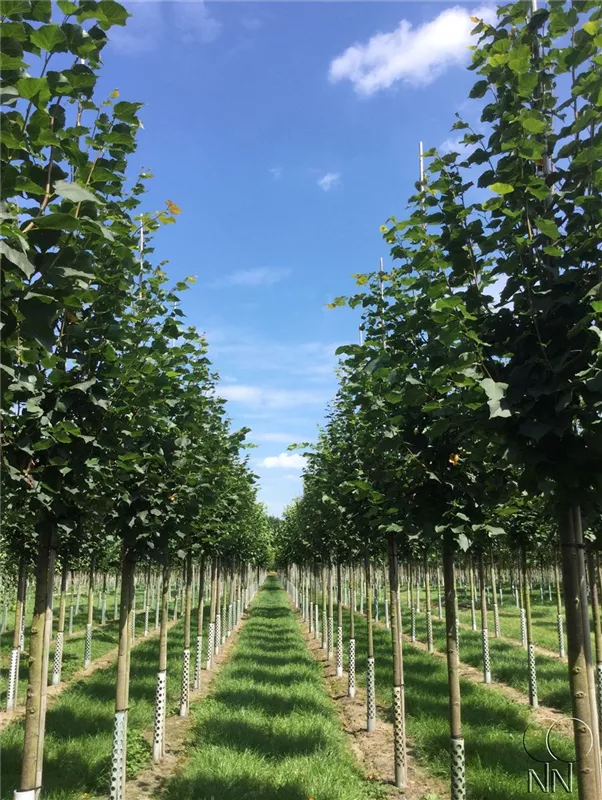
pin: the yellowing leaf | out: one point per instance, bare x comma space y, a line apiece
475, 19
114, 94
173, 207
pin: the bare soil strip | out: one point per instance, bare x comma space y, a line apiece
374, 751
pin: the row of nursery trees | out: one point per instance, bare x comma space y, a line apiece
470, 412
117, 453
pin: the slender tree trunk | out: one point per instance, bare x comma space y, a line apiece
198, 658
159, 726
593, 585
585, 725
218, 616
484, 629
330, 615
370, 677
412, 604
119, 754
399, 725
559, 617
339, 621
351, 670
15, 654
429, 613
185, 686
496, 614
529, 631
324, 611
39, 649
147, 588
88, 640
473, 613
58, 648
212, 612
458, 777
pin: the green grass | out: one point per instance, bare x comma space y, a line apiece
79, 725
493, 726
268, 729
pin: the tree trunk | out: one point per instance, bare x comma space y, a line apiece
473, 613
88, 640
370, 678
324, 610
212, 612
593, 585
429, 613
529, 632
484, 629
585, 725
339, 621
160, 701
39, 649
119, 754
58, 649
399, 726
330, 615
15, 654
351, 669
198, 658
559, 618
185, 685
458, 778
496, 614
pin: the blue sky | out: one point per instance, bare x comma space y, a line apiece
287, 132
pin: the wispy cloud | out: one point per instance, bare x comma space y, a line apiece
195, 22
452, 145
329, 180
276, 173
271, 398
256, 276
142, 29
414, 55
284, 461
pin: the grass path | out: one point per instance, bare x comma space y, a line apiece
268, 729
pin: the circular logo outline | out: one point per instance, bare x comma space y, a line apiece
549, 747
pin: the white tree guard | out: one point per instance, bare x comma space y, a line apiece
13, 678
324, 630
473, 616
486, 656
370, 697
157, 617
88, 646
599, 695
58, 659
27, 794
429, 630
22, 638
496, 620
559, 625
118, 760
399, 739
351, 672
146, 619
339, 652
532, 676
458, 769
159, 724
329, 638
103, 609
439, 604
70, 620
185, 685
229, 630
316, 626
218, 633
210, 638
413, 624
523, 628
198, 657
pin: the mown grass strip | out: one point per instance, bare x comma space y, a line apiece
268, 729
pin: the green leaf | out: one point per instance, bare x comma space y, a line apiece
126, 112
58, 221
29, 88
394, 397
84, 385
548, 227
67, 7
18, 259
592, 26
501, 188
496, 393
597, 305
48, 37
479, 89
74, 192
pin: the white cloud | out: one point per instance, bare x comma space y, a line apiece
195, 23
415, 55
141, 31
257, 276
276, 173
284, 461
259, 396
452, 145
329, 180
